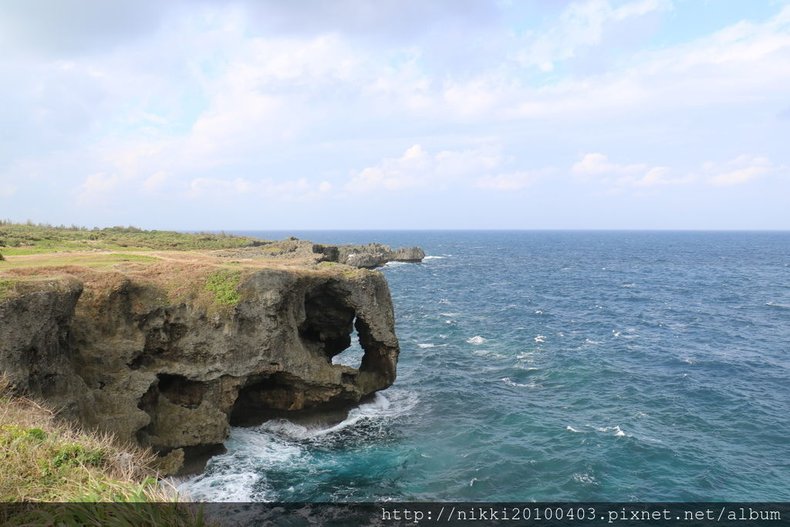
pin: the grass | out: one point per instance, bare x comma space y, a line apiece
48, 461
6, 286
93, 260
224, 284
29, 238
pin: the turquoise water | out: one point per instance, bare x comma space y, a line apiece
581, 366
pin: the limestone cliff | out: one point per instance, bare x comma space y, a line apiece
170, 353
375, 255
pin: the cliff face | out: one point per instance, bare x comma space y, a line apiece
114, 350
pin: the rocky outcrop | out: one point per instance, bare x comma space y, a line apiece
35, 355
375, 255
368, 256
116, 351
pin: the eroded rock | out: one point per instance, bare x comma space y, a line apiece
113, 351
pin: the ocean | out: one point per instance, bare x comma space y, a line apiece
564, 366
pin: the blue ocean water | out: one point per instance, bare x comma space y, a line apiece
581, 366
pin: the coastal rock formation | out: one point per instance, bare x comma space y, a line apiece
35, 355
375, 255
368, 256
154, 355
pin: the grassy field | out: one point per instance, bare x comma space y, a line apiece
29, 238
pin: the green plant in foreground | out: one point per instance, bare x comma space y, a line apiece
224, 284
54, 473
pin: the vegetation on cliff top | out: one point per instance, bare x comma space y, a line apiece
46, 460
29, 238
224, 284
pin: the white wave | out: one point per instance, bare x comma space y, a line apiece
235, 487
569, 428
434, 258
378, 408
592, 342
395, 264
540, 339
628, 333
236, 475
587, 479
239, 475
538, 312
488, 353
609, 429
629, 285
476, 340
449, 314
426, 345
774, 304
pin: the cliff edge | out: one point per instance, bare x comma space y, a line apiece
168, 349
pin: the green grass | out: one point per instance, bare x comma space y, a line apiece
6, 286
20, 239
96, 260
62, 472
224, 284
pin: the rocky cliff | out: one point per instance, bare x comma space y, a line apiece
170, 352
375, 255
367, 256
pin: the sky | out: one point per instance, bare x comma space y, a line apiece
396, 114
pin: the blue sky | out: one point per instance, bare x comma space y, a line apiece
594, 114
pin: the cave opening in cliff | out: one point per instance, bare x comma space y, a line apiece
329, 326
282, 395
352, 355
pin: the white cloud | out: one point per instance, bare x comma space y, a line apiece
747, 63
581, 25
741, 170
289, 190
96, 188
511, 181
598, 167
155, 181
216, 99
418, 168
